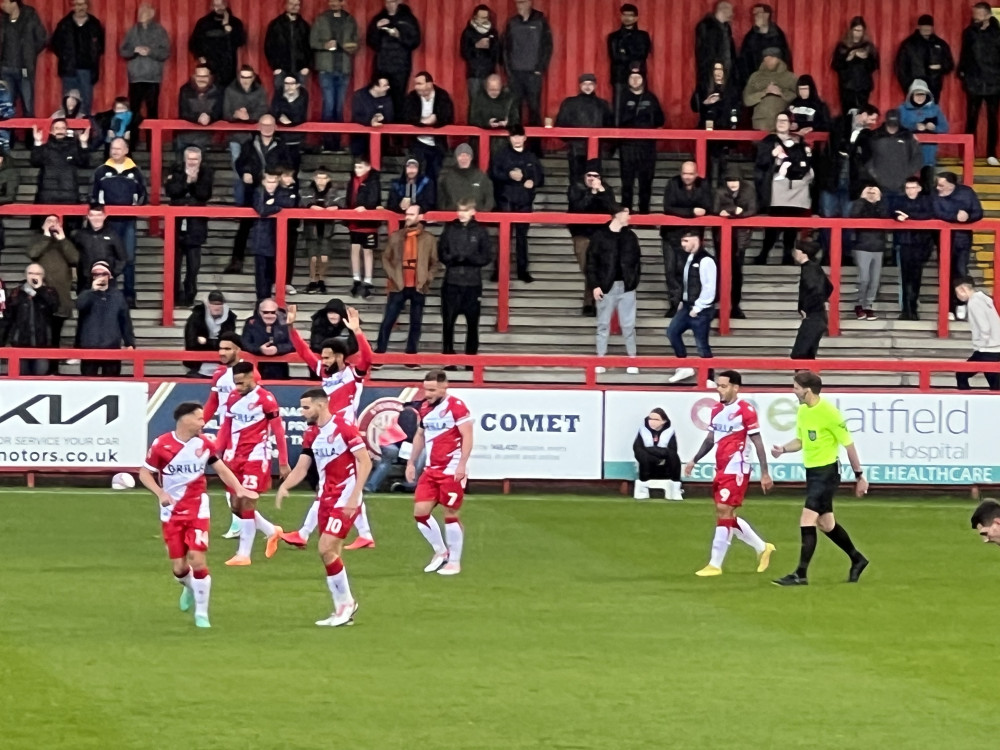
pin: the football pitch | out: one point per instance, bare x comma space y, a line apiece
577, 622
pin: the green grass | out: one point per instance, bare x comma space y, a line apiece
576, 623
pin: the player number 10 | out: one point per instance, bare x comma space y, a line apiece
333, 525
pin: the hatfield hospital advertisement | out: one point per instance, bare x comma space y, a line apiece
902, 439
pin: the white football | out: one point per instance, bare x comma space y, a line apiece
122, 481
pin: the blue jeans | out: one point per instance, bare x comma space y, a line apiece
125, 229
393, 307
390, 454
699, 325
20, 86
334, 89
83, 81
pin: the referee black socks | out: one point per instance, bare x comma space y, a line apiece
808, 548
839, 536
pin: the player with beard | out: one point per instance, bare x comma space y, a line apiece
342, 379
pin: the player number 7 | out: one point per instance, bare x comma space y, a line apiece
452, 498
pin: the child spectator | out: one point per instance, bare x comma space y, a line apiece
364, 193
320, 196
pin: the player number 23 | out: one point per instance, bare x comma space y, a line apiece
334, 525
250, 481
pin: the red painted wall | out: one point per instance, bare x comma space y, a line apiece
580, 28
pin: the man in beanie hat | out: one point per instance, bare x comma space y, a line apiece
764, 34
517, 175
412, 188
814, 291
639, 109
925, 56
627, 46
464, 180
591, 195
207, 322
104, 322
613, 270
736, 199
770, 89
585, 110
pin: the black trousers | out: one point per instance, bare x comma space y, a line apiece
101, 368
812, 329
911, 270
637, 162
577, 158
527, 87
293, 249
651, 467
992, 378
455, 301
243, 231
787, 235
520, 232
673, 267
144, 95
973, 103
853, 99
741, 240
190, 253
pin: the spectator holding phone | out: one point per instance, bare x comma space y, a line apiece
30, 309
104, 322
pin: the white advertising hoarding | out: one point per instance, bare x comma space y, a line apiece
902, 439
529, 434
72, 424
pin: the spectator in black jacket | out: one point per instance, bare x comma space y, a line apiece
588, 196
206, 323
613, 269
655, 451
289, 196
370, 106
736, 199
97, 243
78, 44
429, 106
364, 193
265, 334
527, 44
718, 103
517, 174
809, 112
585, 110
763, 34
330, 322
958, 204
320, 196
480, 47
464, 249
979, 69
290, 107
189, 183
924, 56
713, 42
59, 160
411, 188
269, 199
814, 291
855, 61
22, 39
216, 40
199, 101
30, 309
495, 108
394, 33
103, 322
869, 247
638, 109
628, 46
686, 196
913, 245
895, 155
286, 44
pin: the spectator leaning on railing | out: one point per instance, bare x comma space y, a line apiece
371, 106
207, 322
96, 242
464, 180
31, 307
104, 322
957, 204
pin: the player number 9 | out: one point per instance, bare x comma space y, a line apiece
724, 494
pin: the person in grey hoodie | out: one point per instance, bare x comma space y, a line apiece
985, 325
527, 51
146, 46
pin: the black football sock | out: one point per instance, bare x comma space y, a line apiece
839, 536
808, 548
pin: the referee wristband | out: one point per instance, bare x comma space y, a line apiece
858, 474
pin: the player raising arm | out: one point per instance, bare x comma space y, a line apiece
732, 429
342, 378
180, 458
343, 463
251, 416
446, 431
820, 430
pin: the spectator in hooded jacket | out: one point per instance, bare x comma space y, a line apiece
613, 266
762, 35
914, 247
896, 155
591, 195
627, 46
199, 101
320, 196
736, 199
718, 103
924, 56
103, 322
30, 309
920, 113
59, 160
714, 42
984, 323
334, 40
205, 325
464, 180
809, 112
117, 122
146, 46
364, 193
244, 101
855, 61
814, 291
97, 243
429, 106
640, 110
517, 175
189, 183
585, 110
266, 335
216, 40
371, 106
480, 47
58, 257
22, 39
655, 451
119, 182
411, 188
686, 196
78, 44
269, 199
393, 34
290, 107
957, 204
869, 247
527, 44
464, 249
770, 89
330, 322
979, 69
494, 108
286, 44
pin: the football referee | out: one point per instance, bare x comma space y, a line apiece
820, 430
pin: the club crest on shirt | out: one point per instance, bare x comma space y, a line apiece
812, 434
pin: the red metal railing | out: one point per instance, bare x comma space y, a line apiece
587, 364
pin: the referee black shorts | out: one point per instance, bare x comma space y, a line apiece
821, 484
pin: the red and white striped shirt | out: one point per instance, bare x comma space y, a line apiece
442, 437
332, 448
181, 467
